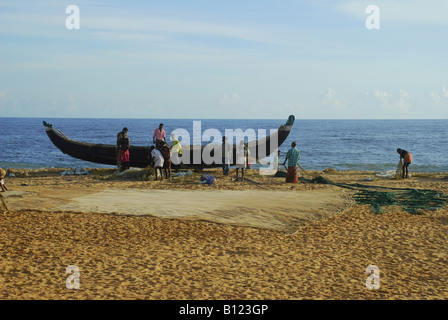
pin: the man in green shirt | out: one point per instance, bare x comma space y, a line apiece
292, 157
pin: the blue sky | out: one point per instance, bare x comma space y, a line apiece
225, 59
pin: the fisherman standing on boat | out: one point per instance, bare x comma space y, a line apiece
159, 135
120, 136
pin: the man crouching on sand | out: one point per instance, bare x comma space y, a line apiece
2, 182
158, 162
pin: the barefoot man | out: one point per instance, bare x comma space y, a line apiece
292, 157
407, 160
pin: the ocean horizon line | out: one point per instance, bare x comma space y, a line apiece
275, 119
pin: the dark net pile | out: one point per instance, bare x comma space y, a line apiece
414, 201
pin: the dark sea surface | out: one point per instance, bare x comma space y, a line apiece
340, 144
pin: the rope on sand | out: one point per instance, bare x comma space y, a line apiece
251, 181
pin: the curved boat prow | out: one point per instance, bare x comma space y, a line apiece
97, 153
290, 121
47, 125
286, 129
268, 145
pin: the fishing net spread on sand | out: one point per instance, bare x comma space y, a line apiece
413, 201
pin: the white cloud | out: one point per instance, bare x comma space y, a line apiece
118, 23
441, 97
332, 100
434, 97
444, 92
403, 94
387, 103
160, 26
72, 107
429, 12
401, 102
383, 97
8, 102
231, 104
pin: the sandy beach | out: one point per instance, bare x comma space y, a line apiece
178, 239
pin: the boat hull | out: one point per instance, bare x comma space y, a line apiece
140, 156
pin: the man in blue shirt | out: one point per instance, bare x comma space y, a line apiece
292, 157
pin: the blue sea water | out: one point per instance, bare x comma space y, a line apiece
340, 144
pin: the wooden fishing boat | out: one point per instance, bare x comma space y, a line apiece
140, 156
